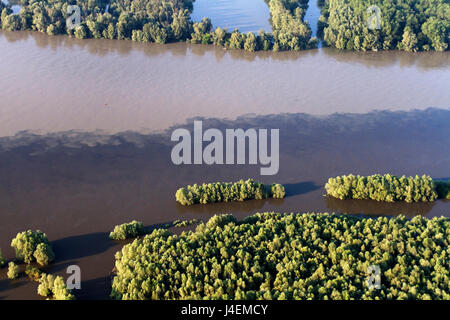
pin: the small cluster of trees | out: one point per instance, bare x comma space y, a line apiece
161, 22
30, 246
289, 256
128, 230
409, 25
33, 246
386, 187
54, 288
228, 191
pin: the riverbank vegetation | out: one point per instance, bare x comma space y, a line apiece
386, 187
409, 25
128, 230
228, 191
160, 22
289, 256
33, 246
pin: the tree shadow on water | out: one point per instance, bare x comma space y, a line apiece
75, 247
378, 208
295, 189
98, 289
11, 284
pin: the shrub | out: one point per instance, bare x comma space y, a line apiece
386, 187
2, 260
289, 256
33, 273
227, 191
43, 254
185, 223
13, 271
277, 191
127, 231
54, 288
32, 244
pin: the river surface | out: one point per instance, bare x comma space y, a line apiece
245, 15
52, 84
85, 135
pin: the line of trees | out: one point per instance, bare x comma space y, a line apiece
161, 22
228, 191
386, 187
409, 25
289, 256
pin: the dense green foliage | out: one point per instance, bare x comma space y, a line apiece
443, 189
54, 288
33, 246
43, 254
227, 191
161, 22
410, 25
290, 256
386, 187
128, 230
13, 270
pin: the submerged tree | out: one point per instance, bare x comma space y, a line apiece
33, 246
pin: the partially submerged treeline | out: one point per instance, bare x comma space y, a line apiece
388, 188
228, 191
161, 22
409, 25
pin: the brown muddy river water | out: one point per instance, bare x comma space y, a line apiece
85, 135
